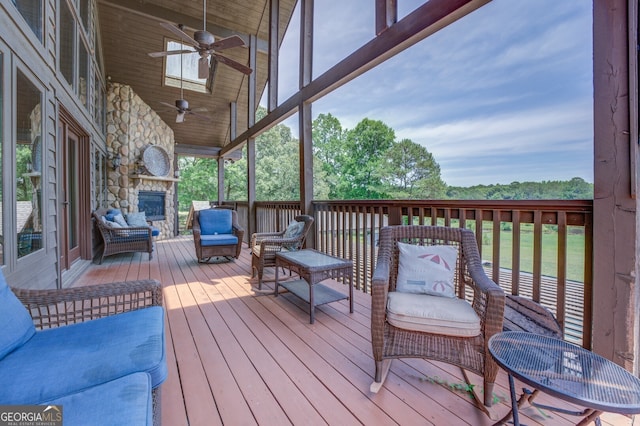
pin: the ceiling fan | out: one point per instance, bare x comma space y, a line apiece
182, 106
205, 44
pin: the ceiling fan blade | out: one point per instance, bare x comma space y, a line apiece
199, 109
173, 107
203, 67
180, 117
184, 37
233, 64
170, 52
200, 116
228, 43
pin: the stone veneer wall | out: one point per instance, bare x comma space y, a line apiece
131, 126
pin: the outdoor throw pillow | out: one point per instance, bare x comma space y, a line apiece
427, 269
119, 219
137, 219
294, 229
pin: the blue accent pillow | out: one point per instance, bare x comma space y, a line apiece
137, 219
15, 322
113, 211
215, 221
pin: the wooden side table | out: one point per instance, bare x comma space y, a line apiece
313, 267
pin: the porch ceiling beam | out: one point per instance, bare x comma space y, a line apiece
421, 23
204, 151
162, 14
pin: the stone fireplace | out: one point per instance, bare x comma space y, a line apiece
132, 127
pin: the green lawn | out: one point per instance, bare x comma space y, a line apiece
575, 249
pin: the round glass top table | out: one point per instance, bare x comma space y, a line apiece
566, 371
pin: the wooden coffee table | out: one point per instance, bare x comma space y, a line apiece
313, 267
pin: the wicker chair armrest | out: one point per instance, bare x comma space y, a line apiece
275, 244
52, 308
379, 293
239, 232
257, 237
489, 300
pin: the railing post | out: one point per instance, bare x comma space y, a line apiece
395, 215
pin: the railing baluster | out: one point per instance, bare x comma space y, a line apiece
537, 254
515, 253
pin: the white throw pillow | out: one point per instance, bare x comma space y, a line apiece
427, 269
119, 219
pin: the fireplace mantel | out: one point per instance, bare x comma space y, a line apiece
140, 178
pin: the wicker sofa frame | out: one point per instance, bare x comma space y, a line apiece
123, 240
487, 298
55, 308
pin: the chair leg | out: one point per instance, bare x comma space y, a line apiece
488, 394
382, 370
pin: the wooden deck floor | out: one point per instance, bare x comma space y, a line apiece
239, 358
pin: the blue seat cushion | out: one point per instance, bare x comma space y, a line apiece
59, 361
121, 402
218, 240
215, 221
15, 322
155, 231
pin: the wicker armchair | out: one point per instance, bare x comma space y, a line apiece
265, 245
55, 308
216, 232
487, 300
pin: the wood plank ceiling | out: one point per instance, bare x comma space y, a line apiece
129, 30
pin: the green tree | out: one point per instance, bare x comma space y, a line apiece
365, 148
410, 171
277, 165
329, 151
198, 180
235, 179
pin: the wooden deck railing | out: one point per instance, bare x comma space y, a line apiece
538, 249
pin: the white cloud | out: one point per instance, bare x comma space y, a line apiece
507, 89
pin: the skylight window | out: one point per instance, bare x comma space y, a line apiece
189, 69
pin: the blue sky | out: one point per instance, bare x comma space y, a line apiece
504, 94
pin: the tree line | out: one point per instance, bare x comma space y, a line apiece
366, 162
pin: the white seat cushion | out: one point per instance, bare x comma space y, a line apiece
432, 314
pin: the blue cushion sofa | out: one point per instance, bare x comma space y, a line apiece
121, 237
216, 232
98, 351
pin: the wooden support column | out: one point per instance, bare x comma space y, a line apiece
386, 14
233, 129
251, 143
220, 180
274, 33
305, 118
616, 296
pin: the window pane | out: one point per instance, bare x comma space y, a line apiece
28, 165
183, 69
31, 11
100, 189
67, 37
83, 74
99, 102
84, 13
